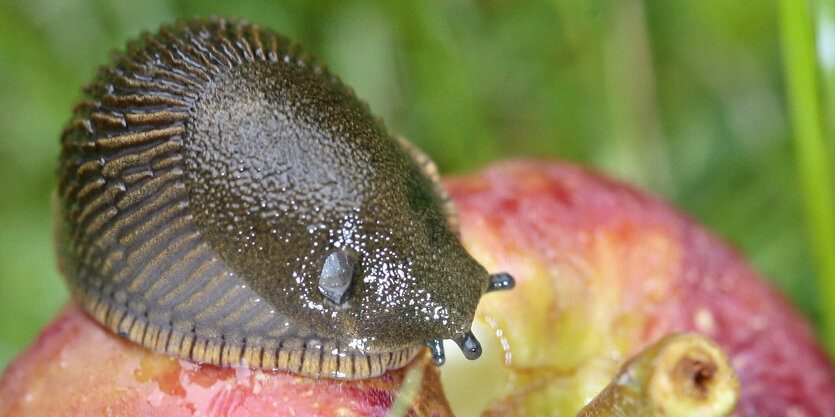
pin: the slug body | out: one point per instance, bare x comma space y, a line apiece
224, 198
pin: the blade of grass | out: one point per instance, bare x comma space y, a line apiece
825, 38
813, 161
638, 151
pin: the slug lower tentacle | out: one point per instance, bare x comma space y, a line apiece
436, 348
469, 345
224, 198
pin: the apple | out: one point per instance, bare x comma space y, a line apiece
602, 272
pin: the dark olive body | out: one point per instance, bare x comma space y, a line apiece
224, 198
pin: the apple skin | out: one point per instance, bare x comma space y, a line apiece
78, 368
602, 271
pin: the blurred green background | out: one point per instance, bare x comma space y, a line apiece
685, 99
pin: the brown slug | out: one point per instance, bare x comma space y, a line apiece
224, 198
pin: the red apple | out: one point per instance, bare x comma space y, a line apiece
602, 272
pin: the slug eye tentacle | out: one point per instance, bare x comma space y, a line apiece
502, 281
469, 345
436, 346
335, 280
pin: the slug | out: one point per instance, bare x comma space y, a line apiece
226, 199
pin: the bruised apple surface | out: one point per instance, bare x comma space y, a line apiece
602, 272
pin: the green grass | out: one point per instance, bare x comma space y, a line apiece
813, 156
690, 100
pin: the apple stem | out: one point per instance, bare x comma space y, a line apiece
681, 375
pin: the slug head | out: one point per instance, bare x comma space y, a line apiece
326, 217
